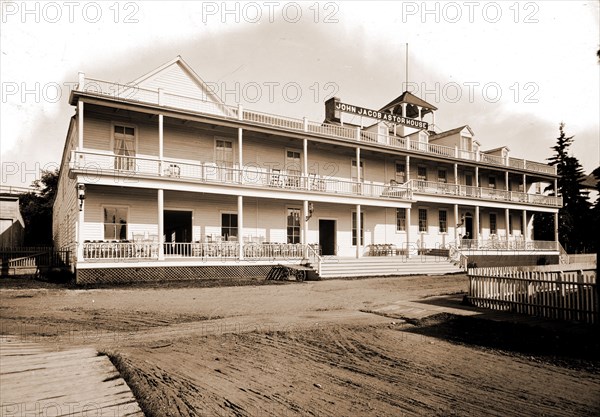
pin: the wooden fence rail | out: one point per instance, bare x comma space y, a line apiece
569, 294
32, 259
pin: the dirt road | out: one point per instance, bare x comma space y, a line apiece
314, 349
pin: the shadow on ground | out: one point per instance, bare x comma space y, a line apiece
573, 345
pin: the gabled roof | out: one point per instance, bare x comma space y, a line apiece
410, 98
497, 149
179, 61
451, 132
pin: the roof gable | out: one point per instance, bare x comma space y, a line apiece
451, 132
177, 77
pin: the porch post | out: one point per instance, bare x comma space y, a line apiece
305, 226
556, 229
79, 125
240, 204
525, 183
358, 227
305, 165
161, 224
408, 232
506, 180
161, 145
407, 168
506, 222
456, 224
80, 221
477, 177
476, 231
456, 175
524, 224
240, 155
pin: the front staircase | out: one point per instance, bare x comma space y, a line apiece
371, 266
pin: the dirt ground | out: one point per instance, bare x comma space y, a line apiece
330, 348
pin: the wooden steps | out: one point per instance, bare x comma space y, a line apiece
386, 266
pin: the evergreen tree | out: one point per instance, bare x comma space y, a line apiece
574, 229
36, 209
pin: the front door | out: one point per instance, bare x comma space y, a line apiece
468, 228
178, 229
327, 237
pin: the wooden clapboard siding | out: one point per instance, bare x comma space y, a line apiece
142, 213
190, 145
65, 210
175, 79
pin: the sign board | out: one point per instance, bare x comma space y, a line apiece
380, 115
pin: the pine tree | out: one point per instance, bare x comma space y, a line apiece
574, 229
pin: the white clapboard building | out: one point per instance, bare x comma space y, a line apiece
161, 180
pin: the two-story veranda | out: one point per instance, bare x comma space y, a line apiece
161, 174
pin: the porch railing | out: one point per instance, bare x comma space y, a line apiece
94, 164
442, 188
133, 93
513, 244
212, 250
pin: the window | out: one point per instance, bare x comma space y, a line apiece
442, 176
493, 228
492, 182
115, 223
401, 220
465, 143
293, 225
422, 173
124, 147
422, 220
443, 217
292, 162
362, 228
400, 173
354, 173
224, 153
229, 223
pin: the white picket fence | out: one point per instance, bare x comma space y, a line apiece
564, 292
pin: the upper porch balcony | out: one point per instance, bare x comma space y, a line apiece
177, 102
93, 164
459, 190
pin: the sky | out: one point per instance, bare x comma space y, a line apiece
512, 71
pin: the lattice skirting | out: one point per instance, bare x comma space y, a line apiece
169, 273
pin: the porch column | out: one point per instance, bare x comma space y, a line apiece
524, 183
240, 204
358, 163
506, 181
476, 231
524, 225
161, 143
305, 164
161, 224
556, 229
79, 125
506, 222
555, 187
407, 168
358, 227
477, 177
408, 232
456, 174
304, 239
240, 155
80, 221
456, 224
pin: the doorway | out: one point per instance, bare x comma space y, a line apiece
178, 229
468, 227
327, 236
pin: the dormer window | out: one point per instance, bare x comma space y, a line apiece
466, 143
